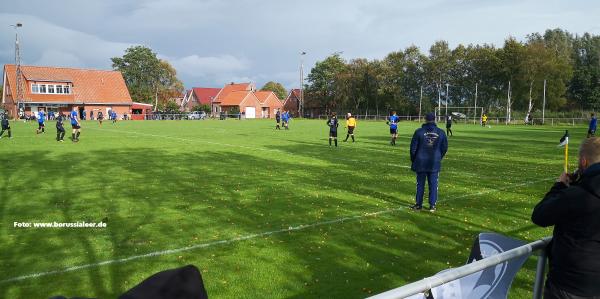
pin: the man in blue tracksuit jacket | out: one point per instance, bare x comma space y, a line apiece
427, 149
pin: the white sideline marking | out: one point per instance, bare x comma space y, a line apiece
243, 238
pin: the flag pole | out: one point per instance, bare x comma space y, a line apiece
564, 141
566, 158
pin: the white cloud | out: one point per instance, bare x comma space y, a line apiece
211, 42
45, 43
59, 58
197, 66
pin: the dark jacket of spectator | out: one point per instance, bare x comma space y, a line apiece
427, 148
574, 253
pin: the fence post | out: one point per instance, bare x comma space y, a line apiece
538, 287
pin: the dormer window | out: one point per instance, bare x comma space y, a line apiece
50, 89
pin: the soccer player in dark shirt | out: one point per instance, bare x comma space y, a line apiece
60, 129
5, 126
278, 120
333, 124
449, 125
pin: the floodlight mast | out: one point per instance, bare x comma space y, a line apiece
301, 98
19, 78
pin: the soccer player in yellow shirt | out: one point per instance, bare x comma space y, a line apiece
350, 125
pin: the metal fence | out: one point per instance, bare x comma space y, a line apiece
428, 283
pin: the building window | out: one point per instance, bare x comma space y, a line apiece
50, 89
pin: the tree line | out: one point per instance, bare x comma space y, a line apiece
504, 79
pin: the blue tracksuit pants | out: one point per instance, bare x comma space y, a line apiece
432, 180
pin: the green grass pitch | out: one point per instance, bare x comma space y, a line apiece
262, 213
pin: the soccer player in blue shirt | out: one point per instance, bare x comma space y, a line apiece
333, 124
393, 123
75, 124
286, 119
592, 127
114, 116
41, 120
5, 126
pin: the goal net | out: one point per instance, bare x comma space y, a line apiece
460, 114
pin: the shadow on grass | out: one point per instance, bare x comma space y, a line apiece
154, 199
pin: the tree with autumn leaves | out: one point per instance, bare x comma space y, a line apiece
569, 64
148, 78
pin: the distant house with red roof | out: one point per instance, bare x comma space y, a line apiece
269, 102
244, 98
60, 89
198, 96
292, 102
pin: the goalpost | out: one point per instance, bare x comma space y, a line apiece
460, 113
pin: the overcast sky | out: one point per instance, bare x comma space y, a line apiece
213, 42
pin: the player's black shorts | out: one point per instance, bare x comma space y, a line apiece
41, 125
278, 120
60, 129
448, 126
393, 131
76, 126
592, 132
5, 128
350, 130
333, 133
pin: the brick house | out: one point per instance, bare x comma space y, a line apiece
59, 90
198, 96
292, 102
270, 103
245, 98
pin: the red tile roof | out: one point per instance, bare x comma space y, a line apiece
294, 93
231, 88
234, 98
88, 86
204, 95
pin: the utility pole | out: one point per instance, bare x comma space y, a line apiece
544, 106
439, 87
447, 97
475, 114
508, 105
420, 101
302, 84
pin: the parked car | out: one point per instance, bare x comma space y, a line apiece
197, 115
